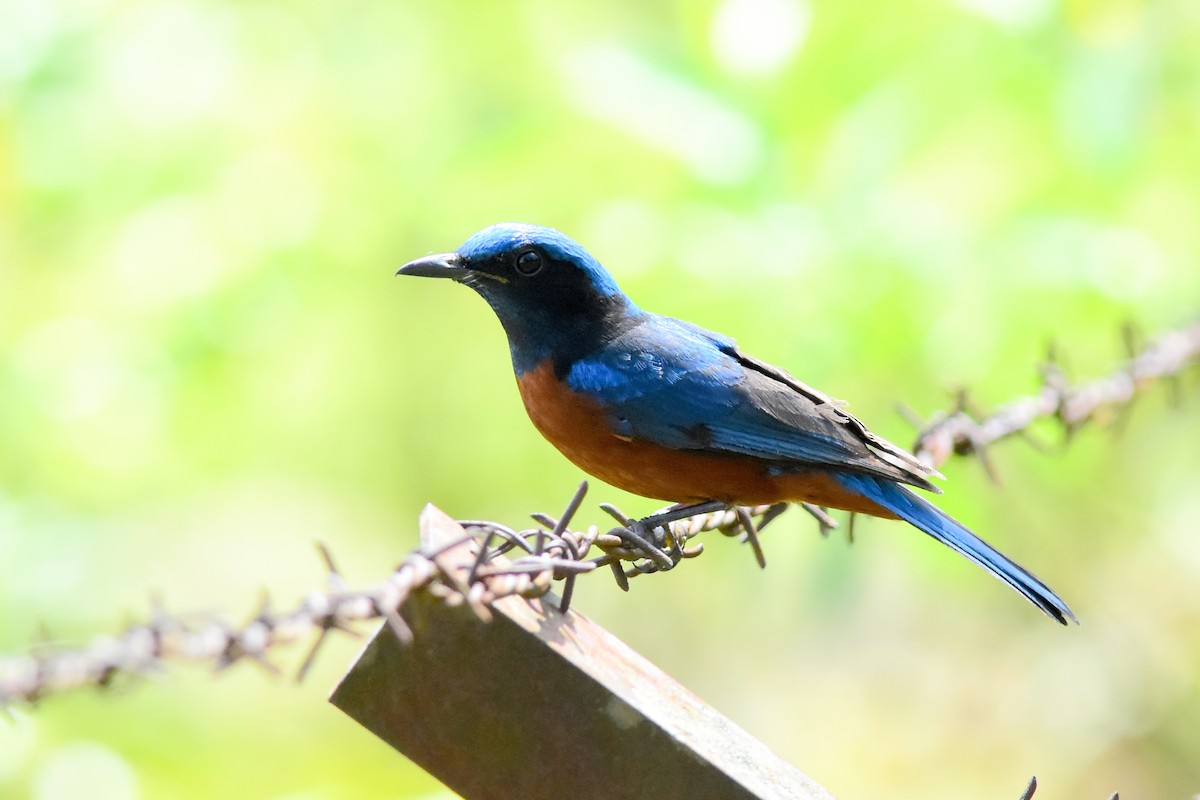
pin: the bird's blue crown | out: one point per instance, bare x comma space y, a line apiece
507, 237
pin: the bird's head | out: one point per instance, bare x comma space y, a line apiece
550, 294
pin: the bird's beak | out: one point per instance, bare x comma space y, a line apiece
443, 265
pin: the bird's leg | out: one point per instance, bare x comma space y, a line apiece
656, 526
773, 512
825, 523
652, 535
638, 537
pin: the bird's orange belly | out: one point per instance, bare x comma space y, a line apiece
577, 426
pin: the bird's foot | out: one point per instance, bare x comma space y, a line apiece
657, 526
652, 537
649, 542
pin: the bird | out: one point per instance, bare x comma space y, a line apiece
668, 410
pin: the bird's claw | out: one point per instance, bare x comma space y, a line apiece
648, 540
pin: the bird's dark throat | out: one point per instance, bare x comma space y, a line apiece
566, 338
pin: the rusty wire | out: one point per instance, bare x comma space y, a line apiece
964, 431
547, 553
540, 555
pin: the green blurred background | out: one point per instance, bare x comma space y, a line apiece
206, 363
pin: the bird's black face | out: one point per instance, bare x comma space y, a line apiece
552, 297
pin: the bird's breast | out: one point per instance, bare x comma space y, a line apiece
577, 423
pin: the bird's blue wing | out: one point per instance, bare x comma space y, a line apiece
680, 386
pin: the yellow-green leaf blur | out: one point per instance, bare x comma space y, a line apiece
206, 363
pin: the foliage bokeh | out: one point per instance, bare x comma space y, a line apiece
205, 362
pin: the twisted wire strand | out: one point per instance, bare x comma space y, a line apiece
550, 552
542, 555
962, 431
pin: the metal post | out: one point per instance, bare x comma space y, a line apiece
538, 704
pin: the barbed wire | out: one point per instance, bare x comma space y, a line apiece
550, 552
544, 554
966, 431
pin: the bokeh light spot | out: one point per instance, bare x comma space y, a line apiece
759, 37
85, 769
720, 144
170, 63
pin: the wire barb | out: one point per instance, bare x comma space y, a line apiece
1031, 790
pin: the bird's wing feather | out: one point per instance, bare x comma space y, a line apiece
678, 385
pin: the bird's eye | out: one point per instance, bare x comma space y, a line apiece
529, 263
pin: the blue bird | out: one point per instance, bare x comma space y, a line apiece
666, 409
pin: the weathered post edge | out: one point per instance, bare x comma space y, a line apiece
538, 704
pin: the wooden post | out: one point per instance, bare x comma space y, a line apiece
538, 704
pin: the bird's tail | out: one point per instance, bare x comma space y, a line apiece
941, 526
